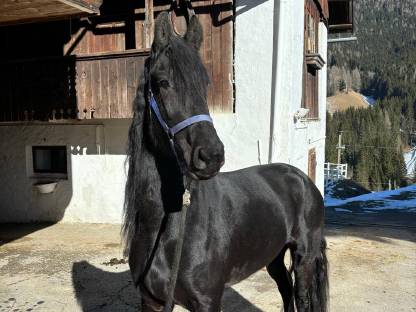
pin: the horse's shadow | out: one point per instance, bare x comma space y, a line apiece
96, 289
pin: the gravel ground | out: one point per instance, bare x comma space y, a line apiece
68, 267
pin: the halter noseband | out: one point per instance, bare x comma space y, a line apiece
171, 131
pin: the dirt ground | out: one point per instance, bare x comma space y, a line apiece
68, 267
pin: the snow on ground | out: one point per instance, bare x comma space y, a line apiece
410, 160
369, 99
403, 199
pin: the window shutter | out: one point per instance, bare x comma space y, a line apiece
312, 164
312, 60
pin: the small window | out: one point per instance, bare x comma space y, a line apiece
49, 159
341, 16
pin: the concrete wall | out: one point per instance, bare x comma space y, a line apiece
266, 41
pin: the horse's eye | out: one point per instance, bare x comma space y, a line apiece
164, 83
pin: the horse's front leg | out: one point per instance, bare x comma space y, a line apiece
148, 303
209, 302
151, 306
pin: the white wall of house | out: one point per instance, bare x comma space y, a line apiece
94, 190
247, 133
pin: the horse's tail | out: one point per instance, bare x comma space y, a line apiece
320, 284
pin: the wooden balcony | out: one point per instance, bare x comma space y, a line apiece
101, 85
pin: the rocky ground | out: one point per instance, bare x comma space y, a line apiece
77, 267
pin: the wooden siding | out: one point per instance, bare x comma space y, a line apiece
29, 11
101, 60
107, 86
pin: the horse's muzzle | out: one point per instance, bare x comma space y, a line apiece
206, 160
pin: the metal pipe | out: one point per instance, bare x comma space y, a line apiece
275, 69
346, 39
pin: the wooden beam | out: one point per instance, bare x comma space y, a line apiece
41, 19
149, 23
82, 6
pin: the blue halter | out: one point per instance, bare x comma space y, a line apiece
172, 131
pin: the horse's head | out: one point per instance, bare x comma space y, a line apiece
179, 83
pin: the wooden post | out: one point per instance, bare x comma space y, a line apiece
339, 147
149, 23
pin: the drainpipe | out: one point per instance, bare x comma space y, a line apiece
275, 77
100, 139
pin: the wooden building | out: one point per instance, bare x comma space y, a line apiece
70, 70
77, 59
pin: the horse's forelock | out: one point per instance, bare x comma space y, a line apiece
190, 74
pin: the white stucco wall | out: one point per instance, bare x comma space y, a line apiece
246, 134
94, 190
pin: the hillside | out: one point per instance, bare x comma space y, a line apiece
381, 65
382, 60
342, 101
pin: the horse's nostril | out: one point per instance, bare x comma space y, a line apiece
203, 155
199, 159
207, 157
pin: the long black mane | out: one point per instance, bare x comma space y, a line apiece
189, 74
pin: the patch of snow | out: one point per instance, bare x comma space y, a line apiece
329, 188
369, 99
389, 200
410, 161
342, 210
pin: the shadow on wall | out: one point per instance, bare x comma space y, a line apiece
245, 5
96, 289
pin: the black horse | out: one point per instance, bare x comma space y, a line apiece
238, 222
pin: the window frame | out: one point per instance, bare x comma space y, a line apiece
313, 61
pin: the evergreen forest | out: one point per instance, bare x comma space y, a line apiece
380, 64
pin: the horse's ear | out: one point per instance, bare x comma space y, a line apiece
163, 31
194, 33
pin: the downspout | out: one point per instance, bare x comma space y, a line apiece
275, 77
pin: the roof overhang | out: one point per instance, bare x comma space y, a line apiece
14, 12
